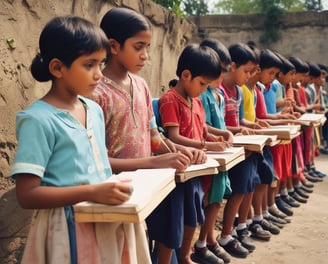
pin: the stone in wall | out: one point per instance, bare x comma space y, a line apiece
302, 34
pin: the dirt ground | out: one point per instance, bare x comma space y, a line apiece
304, 240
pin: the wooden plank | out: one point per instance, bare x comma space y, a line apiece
150, 186
253, 143
210, 167
228, 158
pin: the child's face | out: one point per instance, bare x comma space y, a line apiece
290, 76
268, 75
134, 53
224, 70
196, 86
218, 81
298, 78
242, 73
82, 77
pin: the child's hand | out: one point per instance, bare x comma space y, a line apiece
176, 160
297, 114
262, 123
228, 137
112, 192
198, 156
216, 146
246, 131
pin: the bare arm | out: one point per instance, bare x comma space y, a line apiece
178, 161
31, 195
174, 135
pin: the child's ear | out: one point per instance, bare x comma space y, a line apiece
55, 67
186, 75
114, 46
233, 66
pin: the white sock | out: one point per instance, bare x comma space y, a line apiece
258, 218
265, 213
200, 244
299, 185
290, 190
225, 240
249, 221
241, 226
274, 206
284, 192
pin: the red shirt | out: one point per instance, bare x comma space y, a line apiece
261, 111
188, 116
302, 95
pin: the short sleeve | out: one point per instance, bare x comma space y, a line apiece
36, 141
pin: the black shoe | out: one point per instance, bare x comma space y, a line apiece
312, 178
218, 251
308, 184
302, 193
290, 201
258, 232
283, 207
297, 197
277, 213
245, 240
205, 256
266, 225
318, 173
234, 248
306, 189
275, 220
324, 150
315, 175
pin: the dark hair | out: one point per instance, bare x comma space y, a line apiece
241, 54
200, 61
251, 44
300, 66
323, 67
122, 23
314, 70
66, 38
173, 82
286, 66
220, 49
257, 53
268, 60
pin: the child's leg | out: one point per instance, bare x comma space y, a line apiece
230, 211
207, 239
164, 254
184, 252
242, 229
231, 245
257, 200
207, 229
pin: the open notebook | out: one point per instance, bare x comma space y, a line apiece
228, 158
210, 167
254, 142
284, 132
150, 187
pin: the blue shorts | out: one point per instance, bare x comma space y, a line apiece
265, 166
244, 176
183, 206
